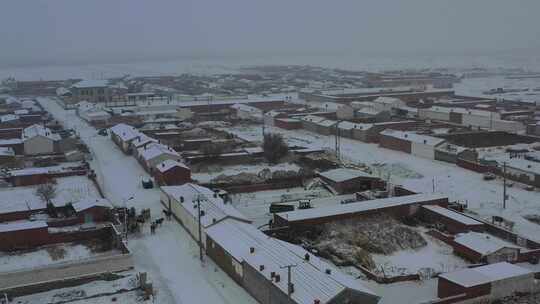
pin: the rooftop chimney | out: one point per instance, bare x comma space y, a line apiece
306, 257
277, 277
251, 249
261, 267
328, 271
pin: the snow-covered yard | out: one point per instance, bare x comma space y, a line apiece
256, 205
435, 257
46, 256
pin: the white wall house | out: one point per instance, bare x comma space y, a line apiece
38, 139
182, 201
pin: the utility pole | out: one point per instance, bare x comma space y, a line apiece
338, 142
289, 283
199, 223
505, 196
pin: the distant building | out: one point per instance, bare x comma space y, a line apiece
94, 91
409, 142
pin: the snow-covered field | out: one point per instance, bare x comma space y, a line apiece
170, 256
422, 175
46, 256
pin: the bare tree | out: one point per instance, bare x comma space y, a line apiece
46, 192
274, 147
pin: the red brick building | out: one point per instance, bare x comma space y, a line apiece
171, 172
452, 221
22, 235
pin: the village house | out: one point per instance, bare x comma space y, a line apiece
372, 114
311, 123
182, 201
172, 172
451, 221
93, 210
23, 234
153, 154
122, 135
489, 282
485, 248
247, 112
345, 181
409, 142
38, 139
255, 261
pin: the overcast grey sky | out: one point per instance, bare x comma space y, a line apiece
64, 31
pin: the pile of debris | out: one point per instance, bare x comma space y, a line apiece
251, 178
352, 242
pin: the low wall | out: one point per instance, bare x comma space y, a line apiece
387, 280
282, 184
62, 275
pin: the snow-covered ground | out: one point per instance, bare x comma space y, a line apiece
46, 256
90, 293
424, 175
170, 256
256, 205
435, 255
68, 190
476, 87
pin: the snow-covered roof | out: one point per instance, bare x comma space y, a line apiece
347, 125
369, 111
483, 243
363, 206
388, 100
313, 118
90, 203
214, 207
142, 140
39, 130
11, 141
485, 274
125, 132
155, 150
21, 112
246, 108
168, 164
90, 84
344, 174
310, 279
414, 137
465, 220
6, 151
327, 123
8, 118
22, 225
61, 91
